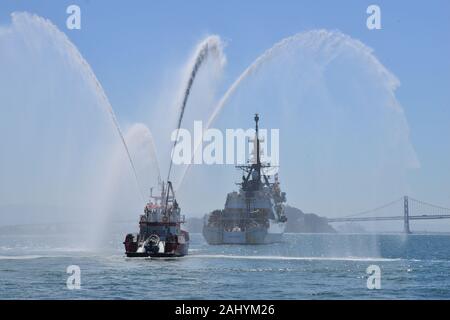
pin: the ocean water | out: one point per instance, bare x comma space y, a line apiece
304, 266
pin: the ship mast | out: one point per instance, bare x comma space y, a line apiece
251, 181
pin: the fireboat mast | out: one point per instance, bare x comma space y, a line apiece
258, 159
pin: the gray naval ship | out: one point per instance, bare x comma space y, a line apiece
255, 214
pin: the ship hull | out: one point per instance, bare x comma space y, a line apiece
217, 236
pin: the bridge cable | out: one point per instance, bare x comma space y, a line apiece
375, 209
423, 203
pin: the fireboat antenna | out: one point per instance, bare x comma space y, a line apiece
171, 155
258, 159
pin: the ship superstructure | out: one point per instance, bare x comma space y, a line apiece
255, 214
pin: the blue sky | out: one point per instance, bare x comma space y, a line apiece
131, 46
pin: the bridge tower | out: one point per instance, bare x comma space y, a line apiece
406, 228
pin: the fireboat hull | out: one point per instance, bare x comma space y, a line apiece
156, 255
180, 251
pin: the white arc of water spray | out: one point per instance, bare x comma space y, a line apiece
247, 72
329, 41
211, 45
90, 76
141, 136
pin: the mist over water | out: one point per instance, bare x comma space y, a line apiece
57, 125
120, 201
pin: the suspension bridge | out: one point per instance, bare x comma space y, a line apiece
405, 208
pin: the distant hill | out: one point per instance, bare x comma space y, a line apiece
298, 222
